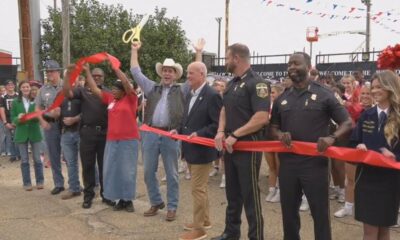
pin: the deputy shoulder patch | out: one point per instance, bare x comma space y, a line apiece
262, 90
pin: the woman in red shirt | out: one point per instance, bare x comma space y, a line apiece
121, 151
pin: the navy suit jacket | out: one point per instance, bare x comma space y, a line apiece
203, 119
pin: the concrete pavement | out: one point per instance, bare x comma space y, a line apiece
40, 215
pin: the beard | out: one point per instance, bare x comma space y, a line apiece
230, 68
298, 76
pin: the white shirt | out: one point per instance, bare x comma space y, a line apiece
195, 94
26, 103
380, 110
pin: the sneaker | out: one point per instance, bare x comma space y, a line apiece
3, 154
277, 197
39, 186
13, 159
304, 205
69, 195
398, 222
341, 196
343, 212
120, 205
188, 176
190, 226
182, 167
129, 206
271, 194
333, 194
214, 172
223, 182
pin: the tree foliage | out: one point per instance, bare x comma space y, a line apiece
97, 27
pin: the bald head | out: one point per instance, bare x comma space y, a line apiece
196, 74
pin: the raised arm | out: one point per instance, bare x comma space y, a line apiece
198, 47
125, 82
90, 82
67, 86
143, 82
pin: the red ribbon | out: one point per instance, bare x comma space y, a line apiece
304, 148
93, 59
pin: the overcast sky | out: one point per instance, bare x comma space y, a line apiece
265, 29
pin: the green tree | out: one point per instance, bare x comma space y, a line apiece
97, 27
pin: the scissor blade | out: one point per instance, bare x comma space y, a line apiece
143, 21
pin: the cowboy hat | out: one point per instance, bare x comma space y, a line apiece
169, 62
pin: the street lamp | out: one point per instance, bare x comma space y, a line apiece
218, 19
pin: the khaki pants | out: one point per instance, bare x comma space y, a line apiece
201, 215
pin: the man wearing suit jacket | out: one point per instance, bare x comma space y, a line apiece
200, 118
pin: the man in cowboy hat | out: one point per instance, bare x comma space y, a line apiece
164, 110
51, 124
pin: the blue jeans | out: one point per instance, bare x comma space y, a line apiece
38, 166
152, 146
11, 147
2, 138
70, 147
53, 139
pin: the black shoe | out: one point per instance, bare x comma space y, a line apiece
13, 159
129, 206
120, 205
87, 203
225, 236
108, 202
57, 190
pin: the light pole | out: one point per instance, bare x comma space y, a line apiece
218, 19
368, 4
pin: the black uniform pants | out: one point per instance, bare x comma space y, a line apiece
241, 173
311, 177
92, 144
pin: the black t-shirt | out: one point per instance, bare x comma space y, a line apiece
306, 114
244, 96
93, 110
70, 108
6, 103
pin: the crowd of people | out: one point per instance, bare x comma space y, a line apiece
100, 126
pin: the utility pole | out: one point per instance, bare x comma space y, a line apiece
219, 37
226, 24
368, 4
65, 33
26, 38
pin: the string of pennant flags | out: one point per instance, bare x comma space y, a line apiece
382, 18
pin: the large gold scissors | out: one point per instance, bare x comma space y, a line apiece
135, 32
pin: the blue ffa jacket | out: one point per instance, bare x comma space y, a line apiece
367, 132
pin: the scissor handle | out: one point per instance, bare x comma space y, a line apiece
134, 37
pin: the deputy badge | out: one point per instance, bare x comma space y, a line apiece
262, 90
314, 97
284, 102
